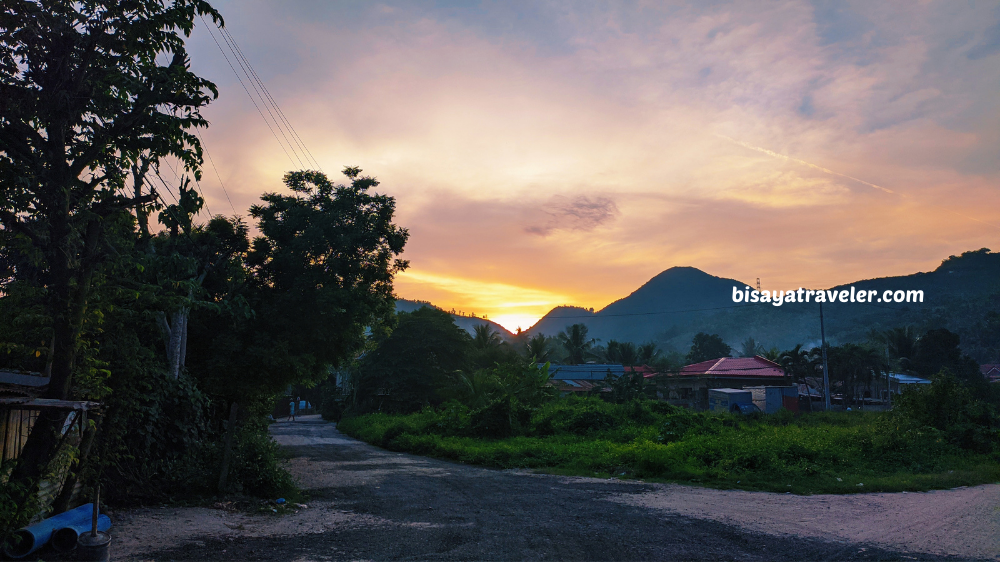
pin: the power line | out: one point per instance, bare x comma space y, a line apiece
214, 167
263, 94
294, 134
254, 101
240, 60
599, 315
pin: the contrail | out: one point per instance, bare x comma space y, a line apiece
828, 171
803, 162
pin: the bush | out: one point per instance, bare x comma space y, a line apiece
825, 452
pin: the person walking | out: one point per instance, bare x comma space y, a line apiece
291, 410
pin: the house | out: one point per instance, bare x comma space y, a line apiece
991, 372
573, 379
689, 386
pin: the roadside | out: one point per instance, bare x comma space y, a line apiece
367, 503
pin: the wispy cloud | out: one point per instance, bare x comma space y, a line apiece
578, 149
578, 213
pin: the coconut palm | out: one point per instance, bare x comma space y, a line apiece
576, 343
750, 348
538, 348
485, 337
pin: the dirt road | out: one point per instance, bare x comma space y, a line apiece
373, 504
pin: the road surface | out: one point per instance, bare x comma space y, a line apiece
370, 504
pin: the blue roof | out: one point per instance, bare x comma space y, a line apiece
587, 372
908, 379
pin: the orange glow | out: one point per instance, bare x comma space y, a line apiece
510, 306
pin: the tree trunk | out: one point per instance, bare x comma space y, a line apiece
175, 338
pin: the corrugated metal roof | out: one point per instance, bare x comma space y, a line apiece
589, 371
735, 367
23, 379
907, 379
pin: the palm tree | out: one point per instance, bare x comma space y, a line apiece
486, 337
797, 364
750, 348
771, 354
538, 348
574, 341
900, 345
648, 353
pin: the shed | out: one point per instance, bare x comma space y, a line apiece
722, 399
770, 399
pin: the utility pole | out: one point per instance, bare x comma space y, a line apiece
826, 368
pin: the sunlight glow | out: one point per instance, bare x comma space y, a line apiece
510, 306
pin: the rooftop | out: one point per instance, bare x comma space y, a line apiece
756, 366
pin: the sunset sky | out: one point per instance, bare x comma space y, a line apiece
547, 153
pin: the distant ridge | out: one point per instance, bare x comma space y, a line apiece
467, 323
673, 306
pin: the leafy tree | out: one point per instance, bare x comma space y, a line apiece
574, 340
82, 101
409, 368
316, 278
939, 349
705, 347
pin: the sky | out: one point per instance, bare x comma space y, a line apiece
565, 152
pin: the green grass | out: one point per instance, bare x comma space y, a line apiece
847, 452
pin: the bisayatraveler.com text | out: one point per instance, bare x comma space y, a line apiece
777, 298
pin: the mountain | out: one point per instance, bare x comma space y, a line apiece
961, 294
660, 304
467, 323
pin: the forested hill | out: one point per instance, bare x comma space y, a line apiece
651, 309
467, 323
962, 294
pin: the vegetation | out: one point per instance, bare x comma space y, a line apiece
171, 327
833, 452
705, 347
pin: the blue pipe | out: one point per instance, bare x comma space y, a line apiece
29, 539
64, 540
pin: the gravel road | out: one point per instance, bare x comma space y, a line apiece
371, 504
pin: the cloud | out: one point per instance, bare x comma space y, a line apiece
579, 213
575, 148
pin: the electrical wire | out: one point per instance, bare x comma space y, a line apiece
245, 89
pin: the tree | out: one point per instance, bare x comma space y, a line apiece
854, 366
900, 345
317, 282
574, 340
705, 347
538, 348
409, 368
750, 348
82, 101
798, 366
648, 353
939, 349
485, 337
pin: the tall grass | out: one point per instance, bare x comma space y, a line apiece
843, 452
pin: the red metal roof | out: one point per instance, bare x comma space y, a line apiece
735, 367
990, 369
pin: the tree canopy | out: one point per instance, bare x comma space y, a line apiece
705, 347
